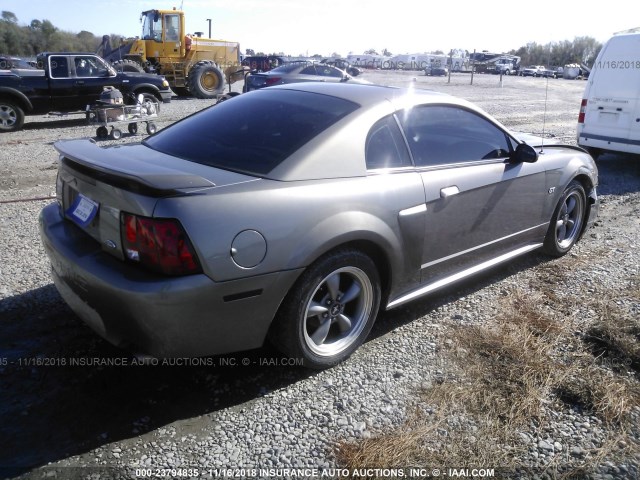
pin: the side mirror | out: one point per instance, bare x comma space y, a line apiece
524, 153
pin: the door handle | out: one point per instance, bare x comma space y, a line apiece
449, 191
79, 82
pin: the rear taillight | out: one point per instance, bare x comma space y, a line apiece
158, 244
272, 81
583, 110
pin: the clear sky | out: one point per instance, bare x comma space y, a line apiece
308, 27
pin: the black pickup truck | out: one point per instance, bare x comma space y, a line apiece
68, 82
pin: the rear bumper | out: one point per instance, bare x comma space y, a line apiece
607, 142
186, 316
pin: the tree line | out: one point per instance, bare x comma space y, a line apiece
580, 50
42, 36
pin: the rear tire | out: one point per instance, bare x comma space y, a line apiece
11, 116
128, 66
205, 81
567, 221
329, 311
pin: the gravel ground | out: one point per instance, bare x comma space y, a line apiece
72, 405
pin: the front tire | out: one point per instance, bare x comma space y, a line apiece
149, 101
205, 81
11, 117
566, 224
330, 310
102, 132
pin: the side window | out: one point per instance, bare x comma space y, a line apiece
59, 67
84, 67
440, 134
100, 68
385, 147
328, 71
310, 70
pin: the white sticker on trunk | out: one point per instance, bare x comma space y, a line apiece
83, 210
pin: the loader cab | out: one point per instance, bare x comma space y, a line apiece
163, 33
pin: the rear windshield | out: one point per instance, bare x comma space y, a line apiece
251, 133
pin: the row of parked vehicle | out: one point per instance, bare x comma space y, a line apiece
42, 86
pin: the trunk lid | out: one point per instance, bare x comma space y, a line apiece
95, 185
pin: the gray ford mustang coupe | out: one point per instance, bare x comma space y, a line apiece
295, 213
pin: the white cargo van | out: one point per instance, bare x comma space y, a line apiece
609, 117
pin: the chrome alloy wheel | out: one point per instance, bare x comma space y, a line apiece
569, 219
338, 311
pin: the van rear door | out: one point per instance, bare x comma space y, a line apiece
612, 111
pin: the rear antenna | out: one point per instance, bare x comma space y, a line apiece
544, 116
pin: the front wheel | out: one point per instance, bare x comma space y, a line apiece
330, 310
566, 224
102, 132
148, 101
205, 81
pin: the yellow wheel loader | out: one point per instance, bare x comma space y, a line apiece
191, 64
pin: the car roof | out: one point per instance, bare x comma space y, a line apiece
369, 95
346, 139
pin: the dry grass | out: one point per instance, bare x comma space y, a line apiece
509, 375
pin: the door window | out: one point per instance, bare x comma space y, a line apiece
171, 28
439, 135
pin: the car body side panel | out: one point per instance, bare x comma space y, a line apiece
562, 165
474, 210
321, 215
